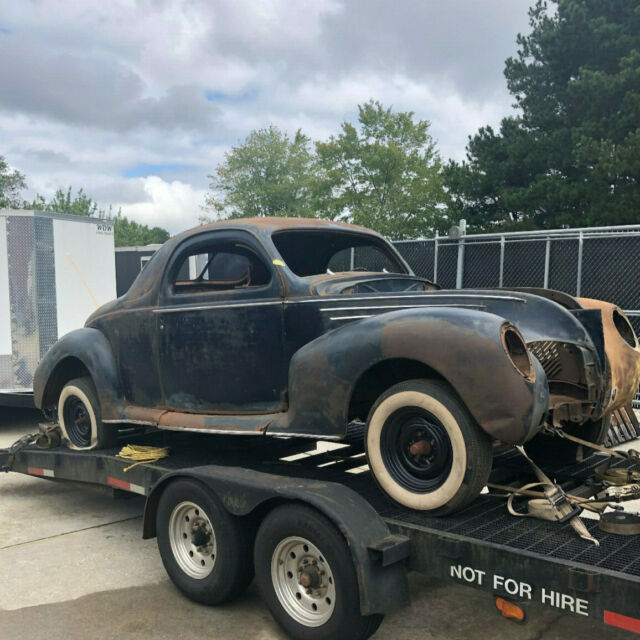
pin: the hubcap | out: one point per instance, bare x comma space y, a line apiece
192, 539
77, 421
416, 449
303, 581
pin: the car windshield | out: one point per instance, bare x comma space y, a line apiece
311, 252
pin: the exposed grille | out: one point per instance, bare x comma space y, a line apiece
548, 354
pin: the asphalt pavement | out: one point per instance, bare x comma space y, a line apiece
73, 566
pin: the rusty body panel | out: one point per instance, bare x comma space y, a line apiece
306, 354
623, 356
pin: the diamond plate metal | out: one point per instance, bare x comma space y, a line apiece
45, 277
6, 376
32, 298
25, 346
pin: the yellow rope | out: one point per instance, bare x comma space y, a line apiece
143, 454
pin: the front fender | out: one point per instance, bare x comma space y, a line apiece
463, 346
93, 350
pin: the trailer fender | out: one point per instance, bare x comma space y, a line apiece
79, 351
378, 556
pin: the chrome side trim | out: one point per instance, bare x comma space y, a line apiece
123, 421
348, 298
284, 434
229, 432
349, 317
397, 306
205, 307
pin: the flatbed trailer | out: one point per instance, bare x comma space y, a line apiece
526, 561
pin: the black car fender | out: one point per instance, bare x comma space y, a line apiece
462, 346
78, 352
378, 556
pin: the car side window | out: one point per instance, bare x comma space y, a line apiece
220, 267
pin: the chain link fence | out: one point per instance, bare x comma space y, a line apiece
598, 262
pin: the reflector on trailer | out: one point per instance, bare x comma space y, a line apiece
510, 610
623, 622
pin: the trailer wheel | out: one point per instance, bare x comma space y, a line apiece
205, 550
306, 576
80, 417
424, 448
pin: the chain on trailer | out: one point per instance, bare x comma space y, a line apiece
48, 436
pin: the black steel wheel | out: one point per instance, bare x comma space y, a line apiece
424, 448
80, 417
417, 449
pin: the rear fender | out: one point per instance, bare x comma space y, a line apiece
92, 349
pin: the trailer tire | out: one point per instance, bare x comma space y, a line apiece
80, 417
205, 550
297, 545
424, 448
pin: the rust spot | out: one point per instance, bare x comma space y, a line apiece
282, 223
420, 448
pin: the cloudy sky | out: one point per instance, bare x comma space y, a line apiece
137, 101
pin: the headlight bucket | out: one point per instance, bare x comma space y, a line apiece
517, 351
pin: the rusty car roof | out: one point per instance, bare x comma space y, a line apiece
271, 224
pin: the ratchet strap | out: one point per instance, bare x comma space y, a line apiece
603, 472
623, 524
556, 505
631, 454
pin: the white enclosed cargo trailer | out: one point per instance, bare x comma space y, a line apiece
55, 270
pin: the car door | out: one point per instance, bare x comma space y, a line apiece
220, 327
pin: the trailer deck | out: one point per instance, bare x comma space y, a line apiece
525, 560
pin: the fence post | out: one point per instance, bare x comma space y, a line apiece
579, 274
435, 258
547, 257
460, 265
501, 278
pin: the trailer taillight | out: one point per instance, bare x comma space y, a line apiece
510, 610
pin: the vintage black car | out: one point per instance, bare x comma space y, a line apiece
304, 328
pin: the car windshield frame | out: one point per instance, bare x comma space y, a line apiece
310, 242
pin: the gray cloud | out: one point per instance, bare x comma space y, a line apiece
90, 88
93, 90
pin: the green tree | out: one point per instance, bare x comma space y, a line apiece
268, 174
383, 174
571, 156
126, 232
11, 184
63, 202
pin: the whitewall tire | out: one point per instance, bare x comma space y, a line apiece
80, 418
424, 448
